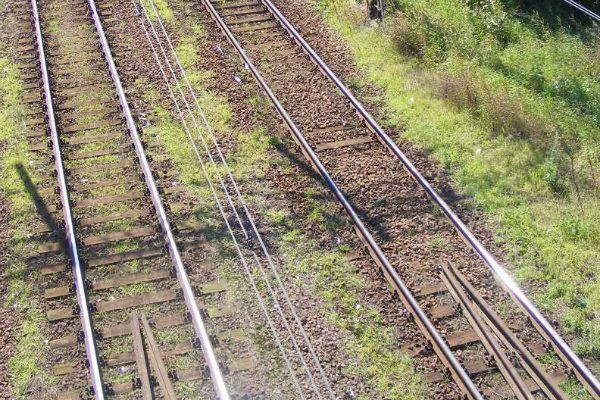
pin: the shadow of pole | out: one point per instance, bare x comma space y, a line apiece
40, 205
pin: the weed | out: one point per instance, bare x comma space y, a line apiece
440, 243
163, 9
409, 40
380, 202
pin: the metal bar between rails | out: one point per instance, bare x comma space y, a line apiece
529, 363
82, 298
440, 346
560, 345
188, 294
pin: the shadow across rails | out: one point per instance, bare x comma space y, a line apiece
334, 220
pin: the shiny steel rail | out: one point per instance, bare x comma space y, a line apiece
438, 343
561, 347
182, 106
583, 9
188, 294
78, 273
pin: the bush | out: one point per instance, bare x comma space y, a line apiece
504, 112
407, 37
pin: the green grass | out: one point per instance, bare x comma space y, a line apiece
25, 371
373, 352
165, 12
510, 107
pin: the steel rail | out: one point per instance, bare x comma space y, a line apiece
529, 363
438, 343
220, 206
78, 273
583, 9
188, 293
177, 83
562, 348
504, 364
237, 192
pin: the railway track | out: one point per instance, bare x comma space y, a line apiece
112, 256
130, 289
476, 346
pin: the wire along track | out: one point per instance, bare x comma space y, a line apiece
583, 9
186, 105
128, 286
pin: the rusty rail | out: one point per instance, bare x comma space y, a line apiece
188, 293
437, 341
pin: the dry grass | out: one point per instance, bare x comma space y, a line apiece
409, 41
503, 111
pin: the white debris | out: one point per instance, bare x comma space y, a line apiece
478, 151
145, 121
358, 306
237, 79
219, 50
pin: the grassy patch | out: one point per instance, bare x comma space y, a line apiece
508, 104
370, 343
25, 370
163, 9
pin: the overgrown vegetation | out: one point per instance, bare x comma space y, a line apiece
507, 99
25, 373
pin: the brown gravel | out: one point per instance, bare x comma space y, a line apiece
394, 207
291, 186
